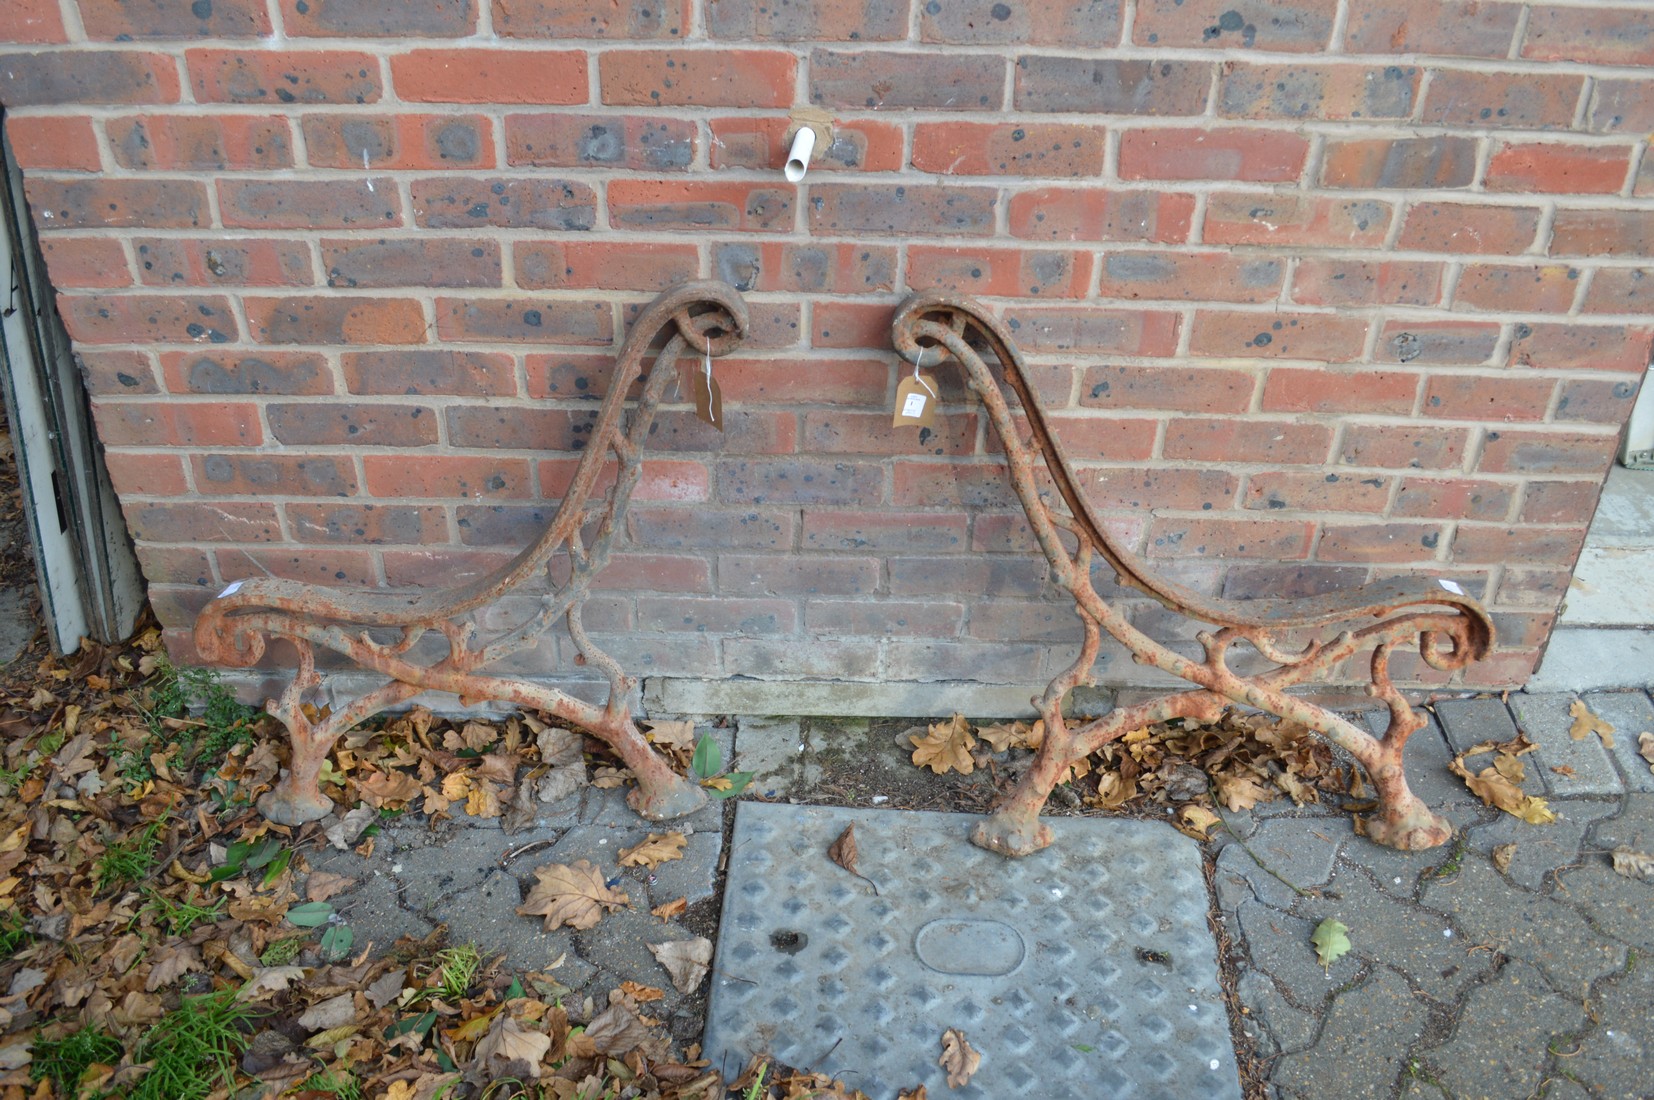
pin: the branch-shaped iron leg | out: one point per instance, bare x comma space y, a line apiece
1403, 820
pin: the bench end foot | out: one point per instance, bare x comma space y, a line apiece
286, 806
1410, 828
676, 798
1011, 836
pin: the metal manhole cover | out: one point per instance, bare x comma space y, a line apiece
1084, 971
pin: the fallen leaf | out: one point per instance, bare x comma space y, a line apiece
958, 1058
671, 909
482, 801
606, 778
560, 782
686, 960
1645, 746
322, 885
843, 850
1587, 723
642, 994
946, 747
656, 849
1332, 941
518, 1048
573, 894
559, 747
382, 788
1241, 792
331, 1013
1502, 856
271, 979
1634, 864
171, 963
1197, 821
1497, 785
916, 1094
344, 833
1005, 735
675, 735
615, 1030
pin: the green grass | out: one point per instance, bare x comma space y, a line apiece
193, 1049
174, 693
131, 860
179, 917
341, 1083
14, 934
66, 1060
456, 969
281, 952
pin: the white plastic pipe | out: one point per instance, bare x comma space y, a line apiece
798, 160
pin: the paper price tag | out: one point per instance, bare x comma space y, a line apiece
915, 401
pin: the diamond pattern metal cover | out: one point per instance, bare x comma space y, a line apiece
1083, 971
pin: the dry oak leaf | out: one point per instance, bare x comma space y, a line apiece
1587, 723
1645, 747
271, 979
671, 909
606, 778
843, 850
675, 735
686, 960
655, 850
1196, 821
958, 1058
574, 894
483, 800
1633, 864
1005, 735
1502, 855
642, 994
1497, 786
1241, 792
615, 1030
916, 1094
946, 747
507, 1041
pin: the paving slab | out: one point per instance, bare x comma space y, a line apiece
1585, 766
1631, 714
1085, 970
1501, 1047
1363, 1044
1593, 658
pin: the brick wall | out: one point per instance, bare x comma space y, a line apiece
1325, 290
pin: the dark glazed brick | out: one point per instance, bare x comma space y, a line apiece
353, 425
124, 20
217, 261
1338, 92
919, 210
812, 21
1068, 23
377, 19
366, 524
1112, 87
700, 205
524, 320
519, 428
133, 319
886, 80
263, 475
799, 481
467, 374
97, 77
297, 76
583, 141
1502, 100
1448, 28
310, 204
416, 262
200, 143
116, 203
1293, 26
245, 372
468, 203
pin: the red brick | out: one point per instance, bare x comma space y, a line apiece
31, 21
1111, 86
1403, 446
1309, 221
1475, 544
336, 320
1459, 342
1337, 282
1400, 163
1089, 437
857, 20
310, 204
521, 320
1003, 272
883, 81
821, 268
135, 474
840, 382
761, 143
682, 482
93, 77
700, 205
748, 431
656, 573
85, 262
409, 372
886, 532
1091, 214
989, 575
1021, 621
1595, 401
1456, 498
316, 567
371, 19
887, 618
470, 202
1487, 397
261, 372
146, 318
285, 76
116, 203
808, 481
1451, 28
1123, 332
1269, 156
1465, 228
1588, 347
1363, 390
1191, 276
1199, 389
443, 477
1070, 23
54, 142
1603, 232
175, 565
1009, 533
195, 521
850, 324
1533, 587
223, 261
870, 433
1621, 290
109, 371
1330, 92
200, 142
1559, 501
1379, 542
176, 424
1145, 489
317, 423
400, 261
404, 141
552, 265
1291, 26
1231, 441
952, 210
274, 475
1503, 100
1621, 107
697, 78
1536, 452
1548, 289
1559, 169
564, 140
711, 528
1006, 149
490, 76
721, 615
1316, 492
1229, 538
1607, 36
1322, 336
122, 20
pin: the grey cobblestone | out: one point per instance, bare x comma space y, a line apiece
1616, 1058
1545, 719
1469, 722
1540, 850
1630, 713
1363, 1045
1501, 1047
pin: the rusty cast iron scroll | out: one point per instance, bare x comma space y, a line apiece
381, 630
1297, 638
